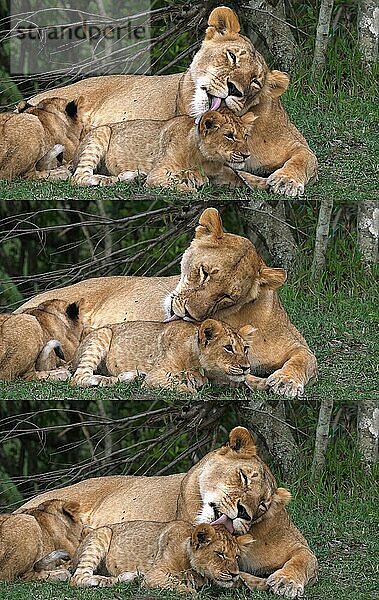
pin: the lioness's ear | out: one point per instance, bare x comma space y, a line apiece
246, 330
273, 278
241, 441
277, 82
210, 224
202, 535
209, 330
281, 497
222, 20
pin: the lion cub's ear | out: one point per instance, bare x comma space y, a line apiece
244, 541
222, 20
277, 82
241, 441
248, 118
202, 535
210, 224
246, 330
209, 330
210, 121
22, 106
273, 278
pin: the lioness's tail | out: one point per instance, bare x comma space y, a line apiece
91, 151
90, 553
95, 348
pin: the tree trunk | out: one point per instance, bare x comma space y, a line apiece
322, 36
322, 434
368, 231
368, 31
270, 225
322, 234
268, 422
368, 431
269, 22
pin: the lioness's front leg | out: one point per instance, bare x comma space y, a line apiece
289, 581
294, 374
290, 179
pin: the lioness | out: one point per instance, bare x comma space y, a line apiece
170, 555
226, 69
222, 276
27, 537
32, 342
232, 485
180, 355
31, 139
175, 153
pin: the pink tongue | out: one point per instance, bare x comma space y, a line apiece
215, 103
224, 520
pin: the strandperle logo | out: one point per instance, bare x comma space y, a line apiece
47, 38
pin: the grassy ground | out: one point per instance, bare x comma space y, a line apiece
338, 515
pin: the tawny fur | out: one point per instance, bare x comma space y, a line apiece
231, 478
174, 555
227, 66
221, 275
26, 537
171, 355
31, 139
32, 343
176, 153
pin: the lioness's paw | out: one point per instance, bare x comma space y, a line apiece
284, 586
284, 385
280, 183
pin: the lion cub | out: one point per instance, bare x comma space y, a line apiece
176, 153
173, 555
27, 537
31, 341
177, 354
33, 138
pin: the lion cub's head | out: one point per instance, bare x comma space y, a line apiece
214, 553
223, 137
223, 353
245, 493
228, 68
220, 273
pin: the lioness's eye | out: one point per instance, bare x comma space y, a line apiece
221, 555
203, 274
228, 348
229, 136
232, 56
256, 82
244, 478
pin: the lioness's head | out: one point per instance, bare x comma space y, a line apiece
237, 488
223, 137
228, 68
222, 352
220, 273
214, 553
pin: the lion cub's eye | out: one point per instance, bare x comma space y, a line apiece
230, 136
256, 82
246, 349
229, 348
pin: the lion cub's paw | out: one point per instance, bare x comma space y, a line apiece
282, 585
280, 183
284, 385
